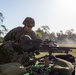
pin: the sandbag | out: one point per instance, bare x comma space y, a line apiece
63, 66
12, 69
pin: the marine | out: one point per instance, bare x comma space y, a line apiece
9, 64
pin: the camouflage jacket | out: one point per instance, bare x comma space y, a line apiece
9, 54
6, 52
15, 34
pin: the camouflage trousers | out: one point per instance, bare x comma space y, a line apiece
12, 69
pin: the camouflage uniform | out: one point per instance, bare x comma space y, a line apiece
6, 52
16, 33
8, 65
9, 61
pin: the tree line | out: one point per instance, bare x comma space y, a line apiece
68, 37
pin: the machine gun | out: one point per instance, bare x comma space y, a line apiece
36, 45
47, 48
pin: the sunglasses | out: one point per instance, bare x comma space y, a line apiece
29, 26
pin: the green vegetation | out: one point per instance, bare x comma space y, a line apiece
73, 53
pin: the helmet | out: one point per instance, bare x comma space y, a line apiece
29, 20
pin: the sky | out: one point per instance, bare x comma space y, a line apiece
57, 14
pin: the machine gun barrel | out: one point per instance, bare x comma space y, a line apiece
46, 48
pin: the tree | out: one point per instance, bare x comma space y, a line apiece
60, 36
52, 36
1, 17
45, 28
39, 32
43, 32
69, 33
2, 27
